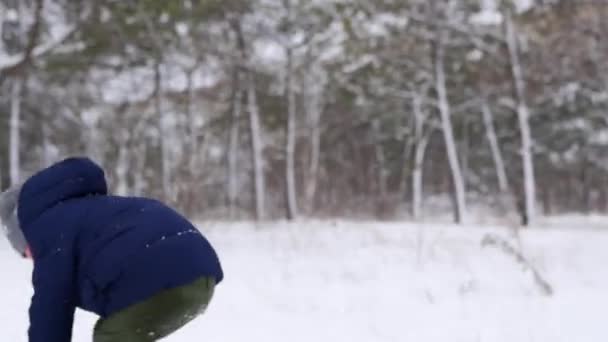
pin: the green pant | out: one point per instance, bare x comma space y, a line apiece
158, 316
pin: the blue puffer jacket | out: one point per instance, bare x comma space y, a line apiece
98, 252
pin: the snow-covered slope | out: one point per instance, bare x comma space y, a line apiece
373, 282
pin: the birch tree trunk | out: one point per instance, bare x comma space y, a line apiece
122, 165
192, 127
15, 132
447, 129
137, 172
380, 160
139, 178
257, 149
488, 121
186, 189
523, 114
233, 145
290, 181
163, 135
255, 129
48, 154
421, 143
384, 206
314, 117
92, 140
464, 148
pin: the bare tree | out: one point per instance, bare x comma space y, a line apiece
122, 163
314, 109
15, 129
420, 145
315, 91
447, 127
256, 149
164, 135
233, 144
255, 129
290, 146
523, 115
499, 164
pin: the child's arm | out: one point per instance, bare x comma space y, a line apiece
53, 305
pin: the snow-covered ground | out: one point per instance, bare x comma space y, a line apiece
379, 282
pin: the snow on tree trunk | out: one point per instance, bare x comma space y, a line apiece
488, 121
290, 174
523, 114
447, 129
15, 136
257, 149
237, 100
421, 143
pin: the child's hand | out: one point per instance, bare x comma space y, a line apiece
28, 253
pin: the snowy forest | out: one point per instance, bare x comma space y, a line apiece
272, 109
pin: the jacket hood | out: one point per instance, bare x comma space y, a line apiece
69, 179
